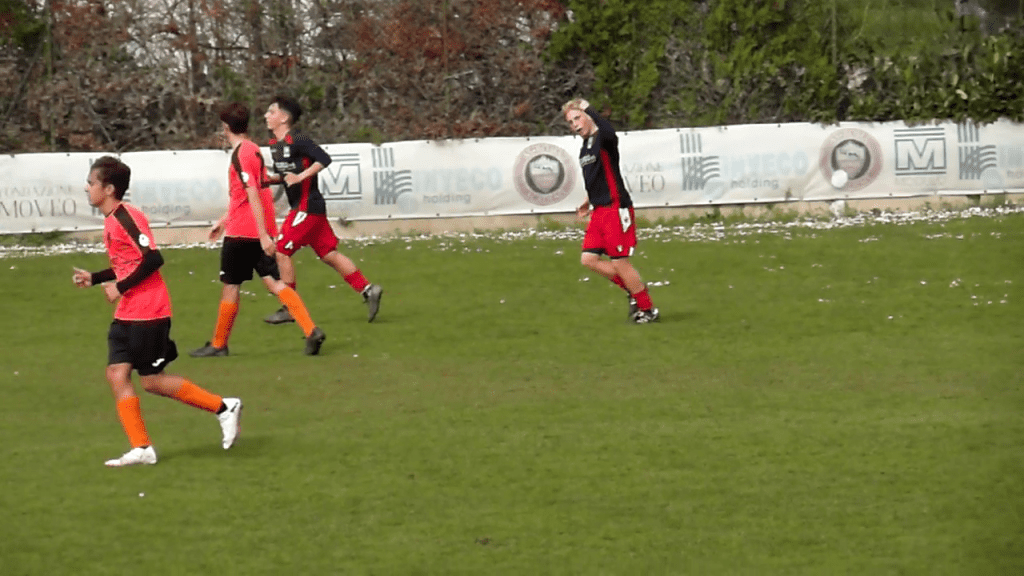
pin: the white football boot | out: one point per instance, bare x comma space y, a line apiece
230, 421
134, 456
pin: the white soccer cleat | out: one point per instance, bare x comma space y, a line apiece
230, 421
134, 456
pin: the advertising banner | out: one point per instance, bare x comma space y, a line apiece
745, 164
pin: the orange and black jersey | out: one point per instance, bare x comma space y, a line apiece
293, 154
134, 265
599, 159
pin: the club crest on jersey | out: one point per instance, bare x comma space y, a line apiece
143, 240
245, 177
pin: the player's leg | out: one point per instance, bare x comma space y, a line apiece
227, 410
129, 410
294, 233
238, 257
267, 269
622, 242
227, 311
347, 269
288, 242
287, 268
152, 351
593, 261
646, 312
324, 241
594, 245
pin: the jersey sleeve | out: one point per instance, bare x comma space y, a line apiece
141, 238
253, 168
605, 131
313, 151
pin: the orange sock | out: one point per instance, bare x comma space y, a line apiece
226, 314
195, 396
290, 298
130, 413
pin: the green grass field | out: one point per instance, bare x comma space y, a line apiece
814, 401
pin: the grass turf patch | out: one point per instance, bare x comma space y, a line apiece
813, 401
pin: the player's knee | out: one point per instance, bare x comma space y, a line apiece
116, 374
150, 383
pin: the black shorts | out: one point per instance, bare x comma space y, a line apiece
147, 346
240, 256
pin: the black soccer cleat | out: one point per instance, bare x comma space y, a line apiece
314, 341
281, 316
646, 316
208, 351
371, 296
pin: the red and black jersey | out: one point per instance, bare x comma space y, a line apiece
129, 241
293, 154
599, 159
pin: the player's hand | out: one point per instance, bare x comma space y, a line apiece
216, 230
110, 288
269, 246
291, 179
575, 104
583, 211
81, 278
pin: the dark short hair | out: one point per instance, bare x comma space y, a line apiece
289, 105
112, 171
236, 116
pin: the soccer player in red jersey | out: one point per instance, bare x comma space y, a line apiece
139, 337
297, 161
249, 230
612, 227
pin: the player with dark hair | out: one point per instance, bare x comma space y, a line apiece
139, 337
249, 229
612, 227
297, 161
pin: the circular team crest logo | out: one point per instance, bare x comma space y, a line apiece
853, 152
542, 174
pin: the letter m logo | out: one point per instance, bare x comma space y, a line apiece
920, 151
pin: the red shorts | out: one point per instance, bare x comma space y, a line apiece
611, 231
302, 229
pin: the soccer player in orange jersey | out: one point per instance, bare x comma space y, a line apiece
139, 337
249, 230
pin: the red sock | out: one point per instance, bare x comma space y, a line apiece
620, 283
292, 285
643, 299
356, 281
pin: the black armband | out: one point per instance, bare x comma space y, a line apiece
151, 262
102, 276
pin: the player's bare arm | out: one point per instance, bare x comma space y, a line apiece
217, 229
266, 242
583, 210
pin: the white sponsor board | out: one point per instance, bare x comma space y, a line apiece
500, 176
